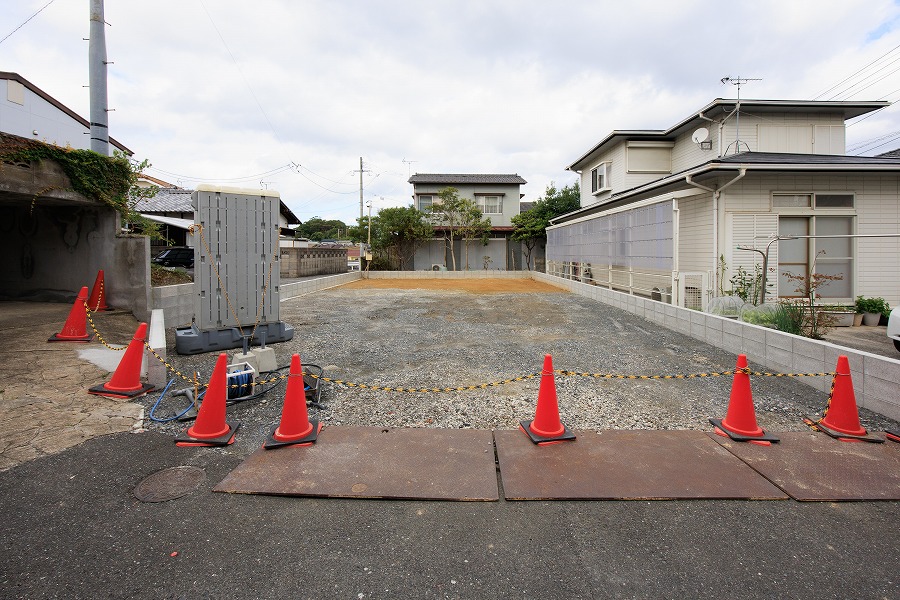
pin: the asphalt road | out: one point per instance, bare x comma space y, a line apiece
72, 528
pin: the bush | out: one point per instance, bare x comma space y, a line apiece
872, 305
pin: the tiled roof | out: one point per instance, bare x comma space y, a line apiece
891, 154
449, 178
167, 200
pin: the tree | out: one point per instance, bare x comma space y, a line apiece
459, 217
318, 229
396, 234
531, 225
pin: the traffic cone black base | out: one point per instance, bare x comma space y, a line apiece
307, 440
844, 437
737, 437
184, 438
566, 435
101, 390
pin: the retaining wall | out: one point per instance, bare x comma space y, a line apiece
876, 379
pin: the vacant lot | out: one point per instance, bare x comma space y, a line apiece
407, 334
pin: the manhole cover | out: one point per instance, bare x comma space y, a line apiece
169, 484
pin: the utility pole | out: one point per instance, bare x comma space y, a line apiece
361, 171
97, 77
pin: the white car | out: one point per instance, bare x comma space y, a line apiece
893, 328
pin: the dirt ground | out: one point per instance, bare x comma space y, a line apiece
473, 286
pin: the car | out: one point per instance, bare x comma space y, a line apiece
893, 327
175, 257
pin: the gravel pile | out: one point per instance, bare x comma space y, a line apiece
425, 339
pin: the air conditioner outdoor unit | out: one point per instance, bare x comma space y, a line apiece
437, 267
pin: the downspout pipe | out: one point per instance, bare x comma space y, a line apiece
717, 194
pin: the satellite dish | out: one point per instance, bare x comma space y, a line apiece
701, 135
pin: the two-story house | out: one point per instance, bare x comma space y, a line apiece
664, 212
497, 196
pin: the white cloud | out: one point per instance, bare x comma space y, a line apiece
455, 86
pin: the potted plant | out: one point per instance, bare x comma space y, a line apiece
871, 309
841, 316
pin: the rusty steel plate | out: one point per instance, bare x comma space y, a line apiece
811, 466
169, 484
626, 465
375, 462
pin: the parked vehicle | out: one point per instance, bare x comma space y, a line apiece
175, 257
893, 327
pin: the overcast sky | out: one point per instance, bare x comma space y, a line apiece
233, 92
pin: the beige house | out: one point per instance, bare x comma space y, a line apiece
664, 212
497, 196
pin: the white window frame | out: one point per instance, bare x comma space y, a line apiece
480, 203
419, 201
813, 212
598, 187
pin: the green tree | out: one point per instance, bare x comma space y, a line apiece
531, 225
396, 234
458, 218
318, 229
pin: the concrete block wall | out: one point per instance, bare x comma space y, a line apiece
176, 302
301, 288
876, 379
305, 262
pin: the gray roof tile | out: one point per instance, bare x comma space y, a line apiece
450, 178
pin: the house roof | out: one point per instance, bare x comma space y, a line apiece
721, 107
706, 173
71, 113
891, 154
179, 200
468, 178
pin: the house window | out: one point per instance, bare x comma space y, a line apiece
825, 255
489, 205
600, 178
425, 202
834, 200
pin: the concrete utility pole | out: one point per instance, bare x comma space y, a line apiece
97, 74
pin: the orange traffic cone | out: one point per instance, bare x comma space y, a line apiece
210, 427
841, 417
75, 329
546, 426
740, 421
97, 301
126, 381
295, 427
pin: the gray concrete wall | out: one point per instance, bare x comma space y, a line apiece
876, 379
51, 252
304, 262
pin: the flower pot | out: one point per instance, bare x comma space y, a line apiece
840, 318
857, 319
871, 319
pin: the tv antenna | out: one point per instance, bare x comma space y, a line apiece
738, 82
408, 166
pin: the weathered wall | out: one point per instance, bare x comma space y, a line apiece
304, 262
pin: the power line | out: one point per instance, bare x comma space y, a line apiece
857, 72
246, 83
269, 173
26, 21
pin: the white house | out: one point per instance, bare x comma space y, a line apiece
29, 112
663, 212
496, 195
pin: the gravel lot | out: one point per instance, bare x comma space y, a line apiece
426, 338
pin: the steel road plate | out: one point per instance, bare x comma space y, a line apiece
626, 465
375, 462
811, 466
